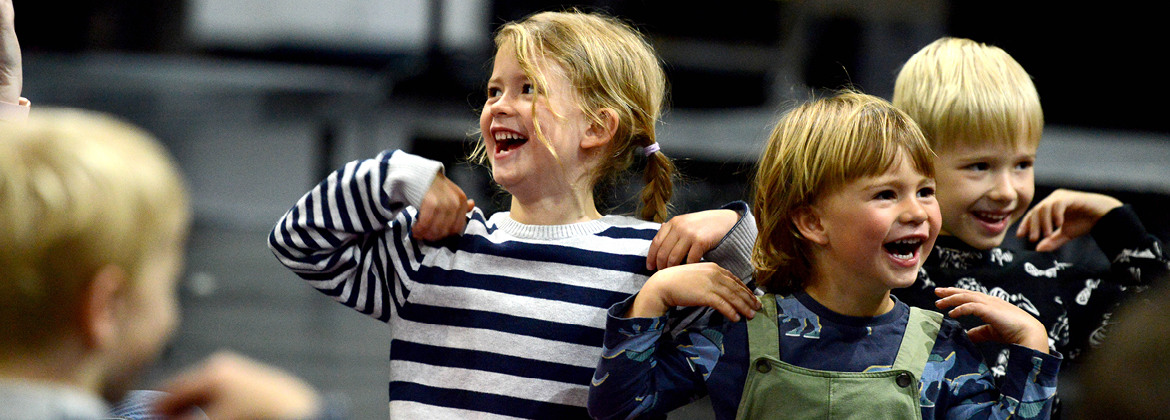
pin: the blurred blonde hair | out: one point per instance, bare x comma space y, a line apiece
964, 92
78, 191
817, 147
610, 65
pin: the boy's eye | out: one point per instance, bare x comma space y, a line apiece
979, 166
886, 195
1024, 165
926, 192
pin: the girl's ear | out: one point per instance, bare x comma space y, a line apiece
808, 223
600, 134
100, 306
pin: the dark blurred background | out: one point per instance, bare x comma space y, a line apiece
258, 99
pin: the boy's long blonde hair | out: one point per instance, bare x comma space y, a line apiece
610, 65
964, 92
815, 148
78, 191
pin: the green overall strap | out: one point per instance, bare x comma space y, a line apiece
766, 327
921, 332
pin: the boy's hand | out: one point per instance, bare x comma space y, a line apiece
1006, 323
685, 238
231, 387
703, 284
443, 211
1063, 216
11, 79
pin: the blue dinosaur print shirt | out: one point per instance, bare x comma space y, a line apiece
651, 366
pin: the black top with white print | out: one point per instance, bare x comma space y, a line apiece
1073, 301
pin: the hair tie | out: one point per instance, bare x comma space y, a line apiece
651, 149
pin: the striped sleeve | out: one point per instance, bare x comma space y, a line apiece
335, 237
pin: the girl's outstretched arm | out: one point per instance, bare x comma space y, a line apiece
352, 236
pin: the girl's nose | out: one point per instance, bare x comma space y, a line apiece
503, 106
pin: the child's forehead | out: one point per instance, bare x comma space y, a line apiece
987, 148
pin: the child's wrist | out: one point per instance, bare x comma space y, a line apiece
1037, 338
647, 304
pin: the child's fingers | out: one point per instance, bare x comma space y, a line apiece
695, 255
189, 389
733, 298
1033, 217
983, 333
1058, 214
1022, 229
943, 292
658, 244
1053, 242
678, 252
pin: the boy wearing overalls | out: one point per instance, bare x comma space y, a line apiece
846, 212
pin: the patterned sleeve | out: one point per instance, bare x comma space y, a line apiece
644, 374
958, 385
343, 235
1135, 255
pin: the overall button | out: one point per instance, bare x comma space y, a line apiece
762, 366
903, 380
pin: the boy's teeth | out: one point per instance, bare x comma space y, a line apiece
990, 216
903, 248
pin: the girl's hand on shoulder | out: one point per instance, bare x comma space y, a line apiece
1006, 323
1063, 216
443, 211
685, 238
703, 284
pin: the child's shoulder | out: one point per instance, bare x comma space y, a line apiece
622, 221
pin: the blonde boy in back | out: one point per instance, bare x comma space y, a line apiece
981, 114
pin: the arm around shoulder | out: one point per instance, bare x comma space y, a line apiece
734, 252
1136, 256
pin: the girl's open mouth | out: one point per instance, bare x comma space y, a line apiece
507, 141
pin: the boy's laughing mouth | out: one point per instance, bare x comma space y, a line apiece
905, 250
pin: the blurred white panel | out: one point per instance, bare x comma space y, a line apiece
465, 24
343, 25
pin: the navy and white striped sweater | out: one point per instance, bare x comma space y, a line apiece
504, 321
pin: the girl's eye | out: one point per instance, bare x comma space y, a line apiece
528, 89
926, 192
886, 195
493, 92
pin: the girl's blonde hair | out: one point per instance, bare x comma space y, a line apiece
815, 148
610, 65
965, 92
78, 191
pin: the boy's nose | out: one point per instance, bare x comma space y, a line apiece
915, 213
1003, 190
